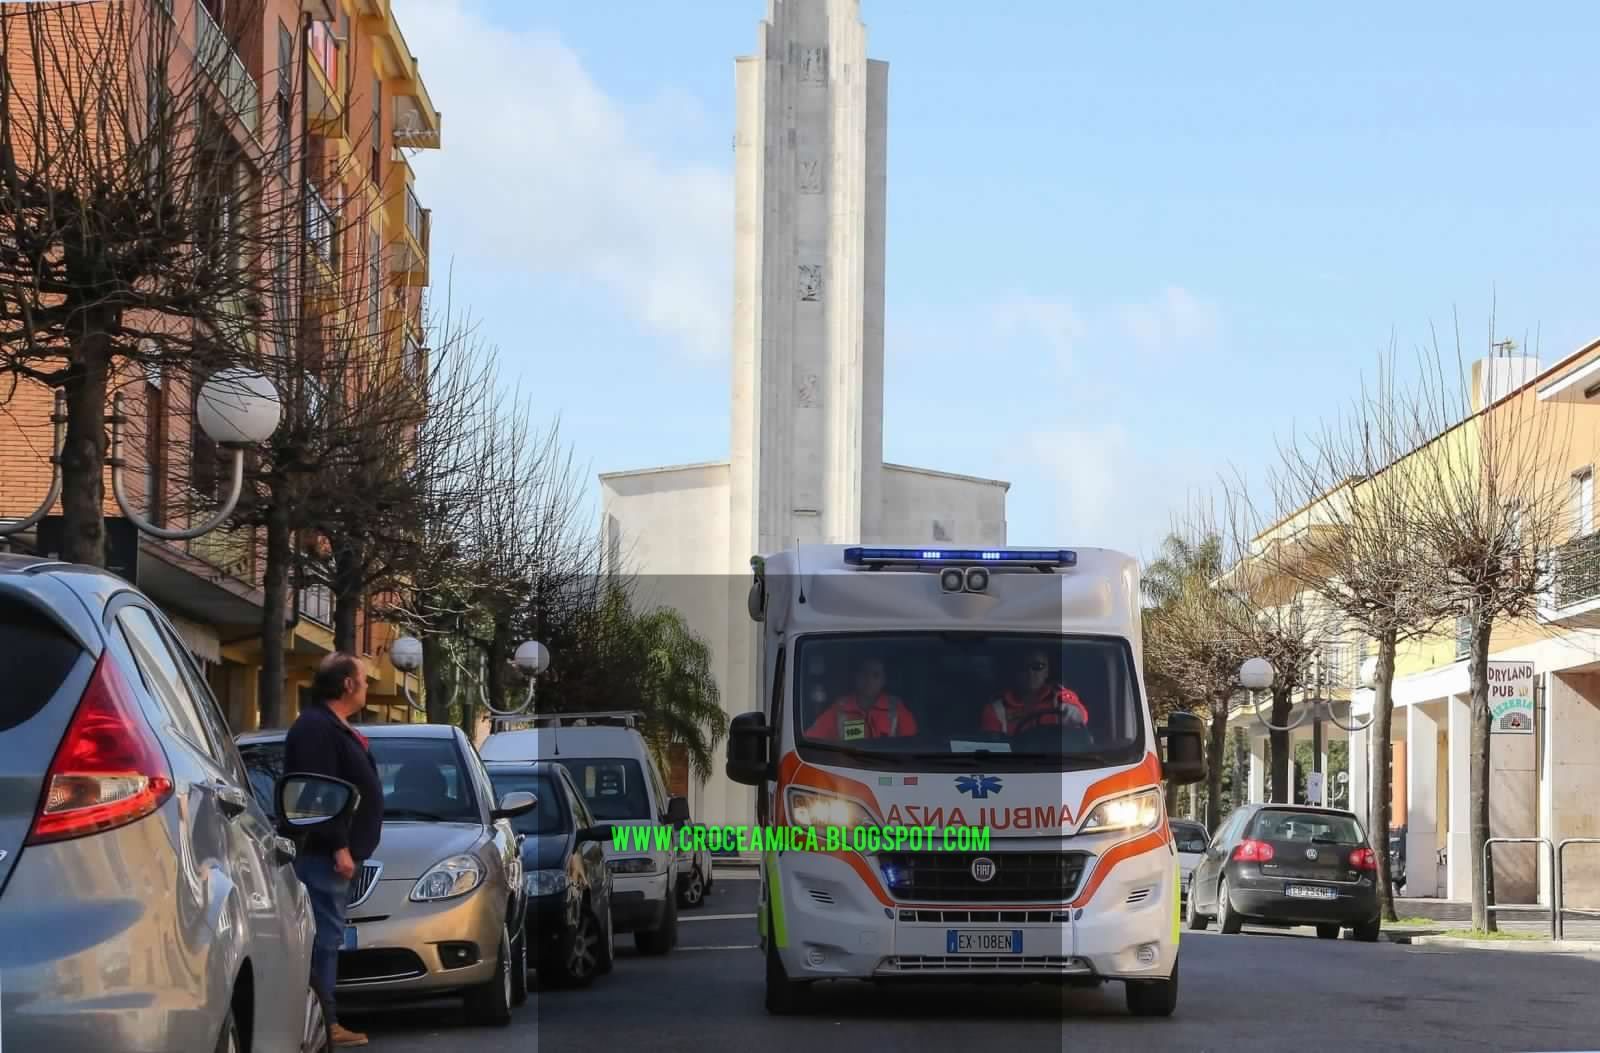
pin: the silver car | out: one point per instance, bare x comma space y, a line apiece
441, 909
147, 902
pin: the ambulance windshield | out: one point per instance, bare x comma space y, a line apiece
931, 699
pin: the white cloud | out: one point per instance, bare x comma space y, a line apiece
541, 172
1053, 322
1176, 321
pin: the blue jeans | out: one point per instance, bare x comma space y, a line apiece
330, 895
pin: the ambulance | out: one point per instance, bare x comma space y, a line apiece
967, 733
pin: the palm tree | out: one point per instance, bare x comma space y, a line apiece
677, 689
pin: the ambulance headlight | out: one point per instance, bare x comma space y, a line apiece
808, 808
1134, 814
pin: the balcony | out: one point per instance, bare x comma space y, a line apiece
410, 255
227, 70
316, 605
324, 100
416, 359
1574, 598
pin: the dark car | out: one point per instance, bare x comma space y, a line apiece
147, 902
1287, 865
569, 929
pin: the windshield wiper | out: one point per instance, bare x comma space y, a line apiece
866, 755
412, 813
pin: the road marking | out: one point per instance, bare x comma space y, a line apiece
730, 947
716, 917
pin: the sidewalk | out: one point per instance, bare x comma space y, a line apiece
1457, 914
1439, 922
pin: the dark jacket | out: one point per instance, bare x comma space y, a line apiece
320, 743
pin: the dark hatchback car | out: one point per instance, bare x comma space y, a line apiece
568, 886
1288, 865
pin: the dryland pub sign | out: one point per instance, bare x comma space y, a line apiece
1511, 698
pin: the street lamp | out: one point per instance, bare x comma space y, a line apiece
531, 659
1256, 675
236, 408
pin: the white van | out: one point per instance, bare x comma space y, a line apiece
612, 767
916, 702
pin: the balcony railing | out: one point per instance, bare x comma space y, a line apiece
225, 66
416, 219
316, 604
1577, 571
319, 225
414, 352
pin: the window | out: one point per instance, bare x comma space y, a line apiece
1190, 837
155, 448
377, 131
424, 780
1583, 502
1463, 636
162, 676
575, 801
36, 660
285, 100
548, 817
613, 787
1306, 828
375, 283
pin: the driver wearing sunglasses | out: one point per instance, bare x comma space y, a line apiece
1035, 701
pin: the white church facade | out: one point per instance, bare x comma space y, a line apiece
807, 397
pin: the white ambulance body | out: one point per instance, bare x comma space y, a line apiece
1080, 881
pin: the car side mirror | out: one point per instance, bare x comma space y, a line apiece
519, 802
749, 746
307, 802
1184, 762
600, 834
678, 811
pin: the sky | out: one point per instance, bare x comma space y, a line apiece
1131, 248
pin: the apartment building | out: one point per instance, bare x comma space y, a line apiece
325, 104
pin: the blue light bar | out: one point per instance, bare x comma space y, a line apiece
1052, 557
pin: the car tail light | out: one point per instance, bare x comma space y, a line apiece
1253, 852
108, 771
1364, 859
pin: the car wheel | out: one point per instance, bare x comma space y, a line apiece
693, 892
1197, 921
228, 1038
1154, 997
317, 1036
1327, 932
1368, 933
785, 997
1227, 920
663, 938
489, 1004
519, 969
607, 948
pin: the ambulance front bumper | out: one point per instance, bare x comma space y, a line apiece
831, 926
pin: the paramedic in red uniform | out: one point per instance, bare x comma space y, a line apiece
870, 713
1037, 694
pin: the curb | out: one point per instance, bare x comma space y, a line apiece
1424, 939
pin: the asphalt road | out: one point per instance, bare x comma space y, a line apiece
1258, 991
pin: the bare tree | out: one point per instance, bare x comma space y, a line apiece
1352, 537
142, 218
1192, 642
1490, 490
1276, 618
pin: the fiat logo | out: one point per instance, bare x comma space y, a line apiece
1311, 854
983, 869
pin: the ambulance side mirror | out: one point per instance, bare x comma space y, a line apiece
1183, 762
749, 745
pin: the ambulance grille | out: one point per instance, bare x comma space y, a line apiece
1139, 895
1020, 877
825, 898
986, 917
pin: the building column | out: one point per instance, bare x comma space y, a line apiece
1422, 821
1258, 770
1458, 845
1360, 793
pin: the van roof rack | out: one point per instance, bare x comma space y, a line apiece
630, 718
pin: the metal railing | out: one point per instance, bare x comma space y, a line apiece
316, 603
414, 215
1577, 571
1559, 888
1490, 908
225, 66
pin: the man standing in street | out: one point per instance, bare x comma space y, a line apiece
322, 742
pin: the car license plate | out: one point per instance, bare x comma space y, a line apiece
349, 937
1310, 892
967, 941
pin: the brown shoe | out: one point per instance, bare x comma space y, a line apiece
343, 1036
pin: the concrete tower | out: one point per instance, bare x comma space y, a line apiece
810, 172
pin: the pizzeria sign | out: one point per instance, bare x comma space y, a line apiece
1511, 698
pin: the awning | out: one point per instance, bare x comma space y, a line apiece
202, 641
